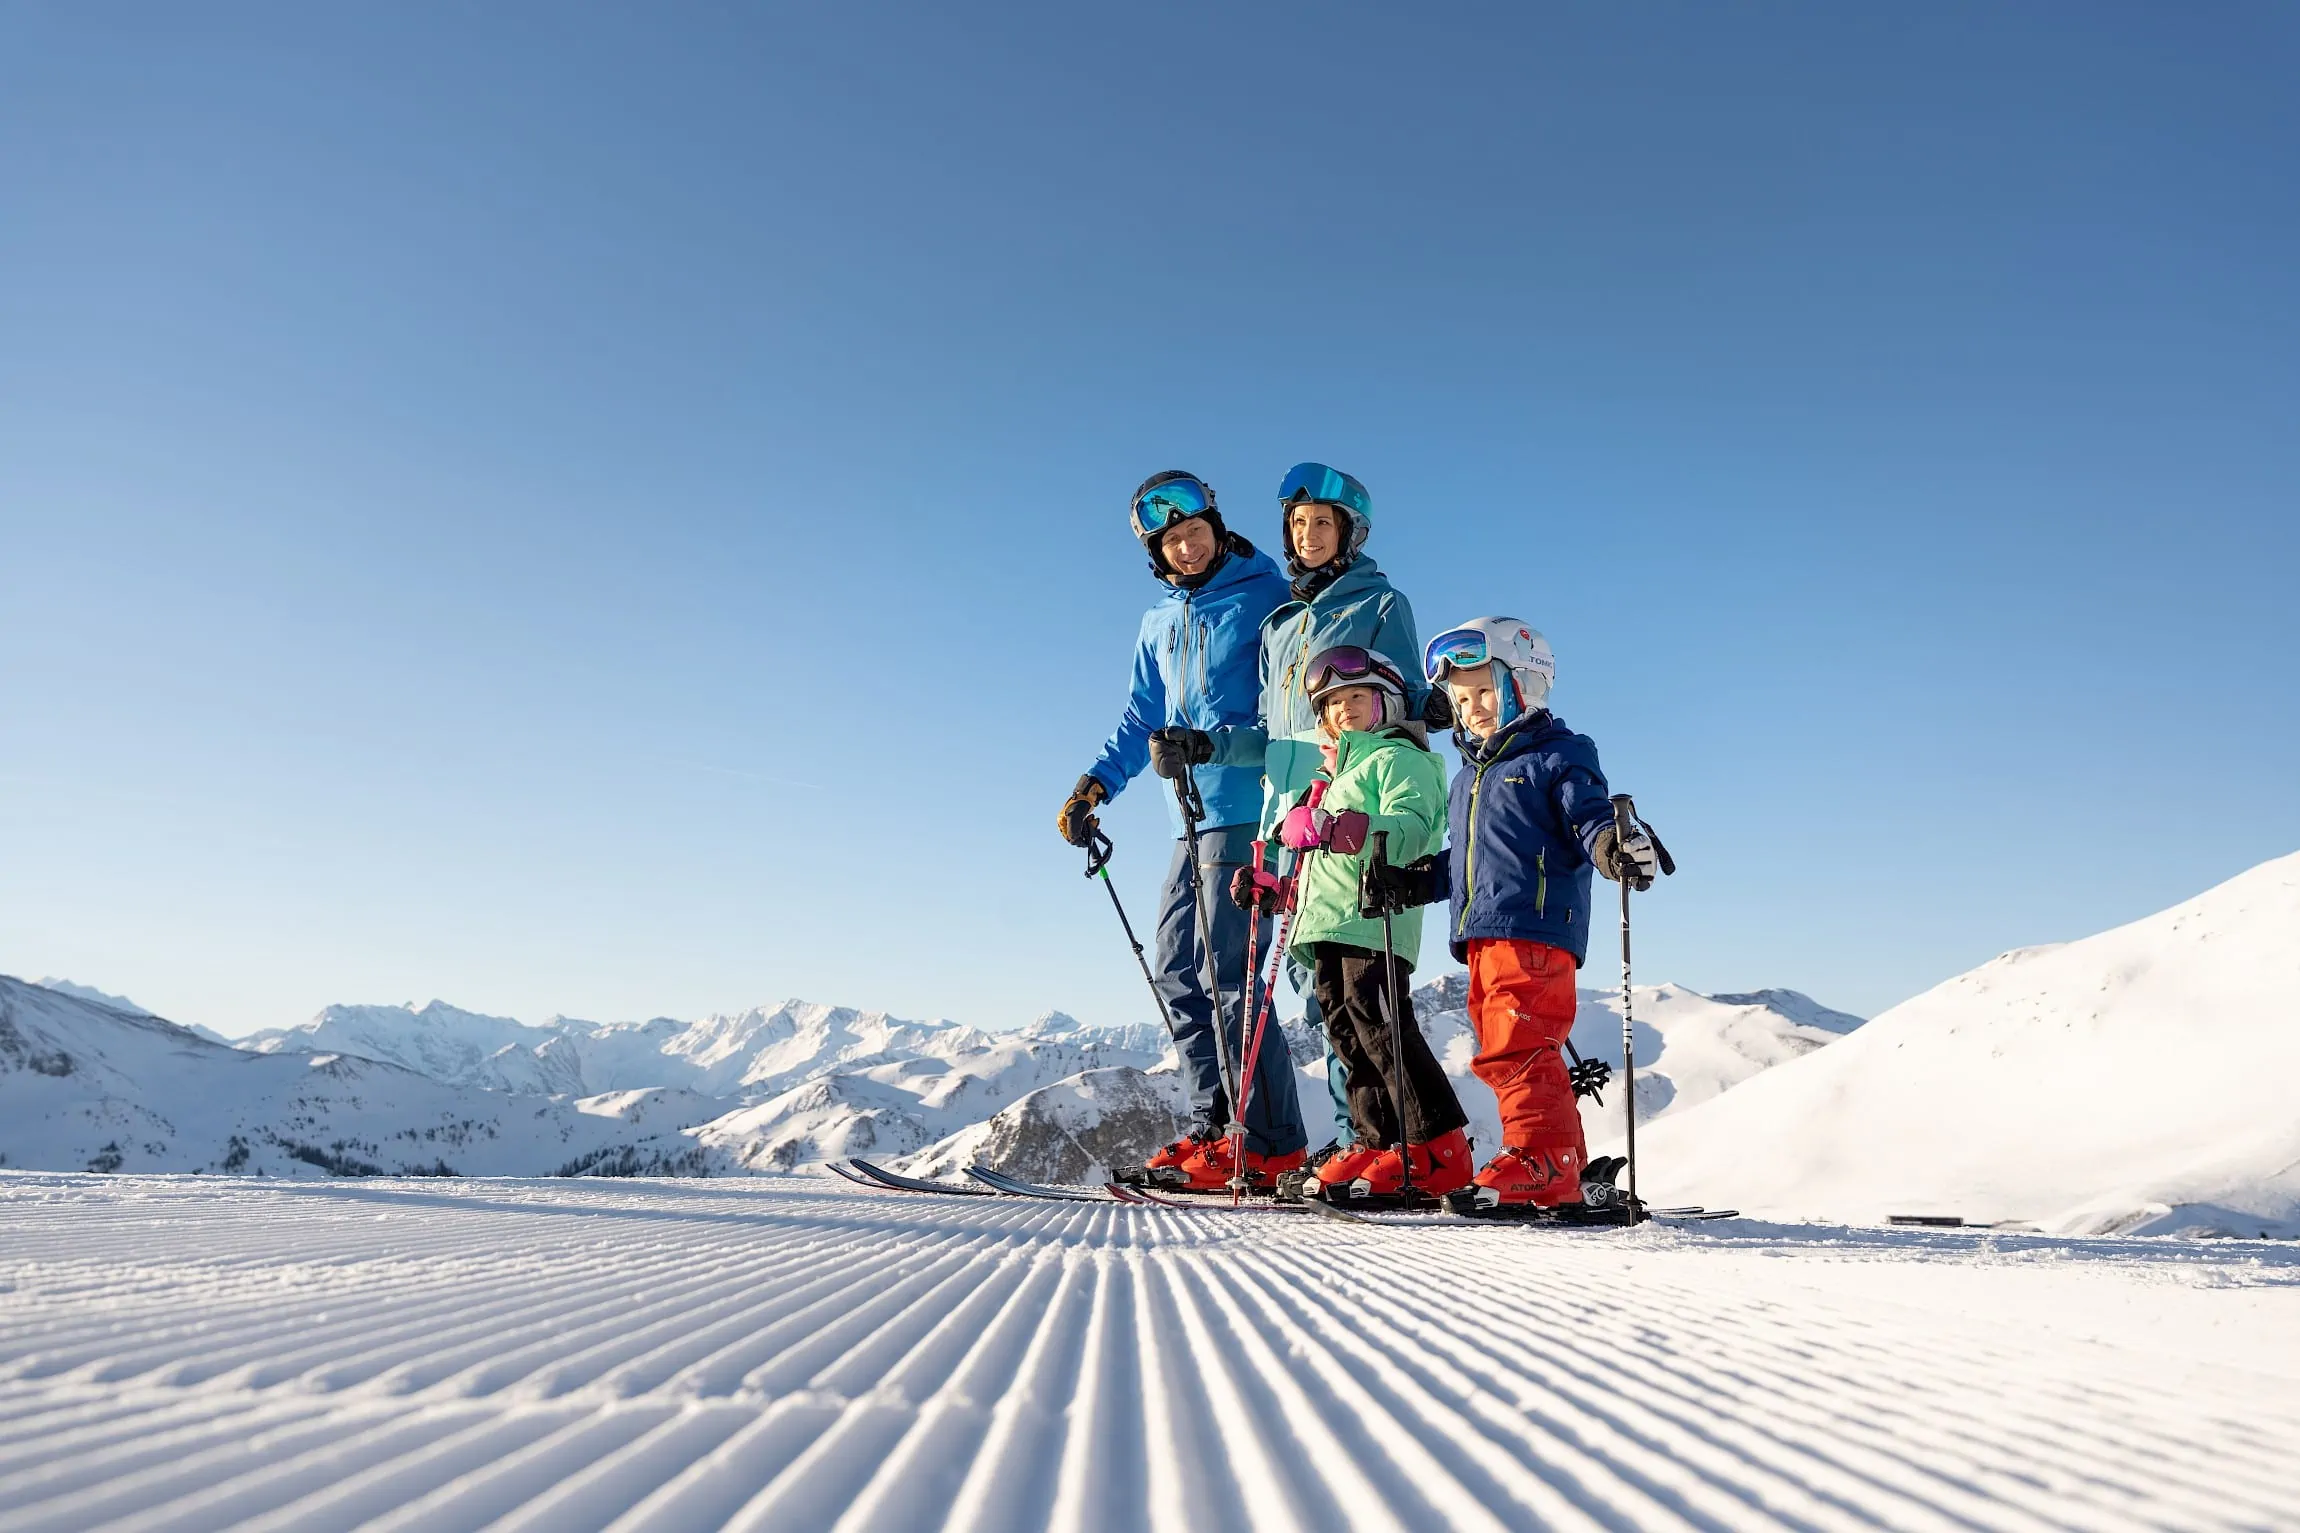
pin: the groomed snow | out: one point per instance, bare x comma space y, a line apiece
185, 1353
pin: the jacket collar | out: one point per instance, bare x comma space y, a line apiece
1241, 564
1518, 733
1357, 744
1361, 578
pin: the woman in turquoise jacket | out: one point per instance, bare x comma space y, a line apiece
1340, 596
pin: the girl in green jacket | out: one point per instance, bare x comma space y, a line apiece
1378, 778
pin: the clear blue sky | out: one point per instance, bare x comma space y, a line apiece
621, 510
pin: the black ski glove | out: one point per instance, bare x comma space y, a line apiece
1179, 747
1637, 860
1437, 709
1076, 821
1253, 889
1387, 890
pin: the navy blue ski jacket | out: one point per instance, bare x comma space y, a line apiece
1524, 814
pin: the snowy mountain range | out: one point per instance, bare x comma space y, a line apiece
2135, 1080
85, 1086
360, 1088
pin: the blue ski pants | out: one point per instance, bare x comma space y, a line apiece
1273, 1112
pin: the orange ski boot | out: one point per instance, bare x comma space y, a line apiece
1522, 1176
1164, 1169
1210, 1168
1342, 1175
1441, 1165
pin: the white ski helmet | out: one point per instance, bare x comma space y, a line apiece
1513, 647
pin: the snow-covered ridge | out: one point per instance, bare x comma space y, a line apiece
84, 1086
2138, 1079
767, 1089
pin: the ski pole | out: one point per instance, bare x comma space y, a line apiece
1193, 810
1622, 810
1237, 1134
1277, 961
1098, 854
1625, 822
1381, 859
1588, 1076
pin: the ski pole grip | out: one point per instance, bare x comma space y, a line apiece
1380, 857
1624, 815
1098, 852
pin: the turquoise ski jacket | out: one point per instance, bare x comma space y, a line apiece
1361, 607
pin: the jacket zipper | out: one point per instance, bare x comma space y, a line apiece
1469, 856
1541, 883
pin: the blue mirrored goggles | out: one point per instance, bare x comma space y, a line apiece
1315, 481
1162, 505
1462, 649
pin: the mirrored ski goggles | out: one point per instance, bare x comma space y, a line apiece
1162, 505
1315, 481
1461, 649
1348, 665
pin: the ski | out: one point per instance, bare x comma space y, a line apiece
838, 1170
1144, 1196
888, 1179
1015, 1187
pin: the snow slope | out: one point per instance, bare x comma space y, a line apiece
1689, 1047
85, 1086
2139, 1079
797, 1355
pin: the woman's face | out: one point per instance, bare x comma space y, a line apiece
1350, 708
1316, 530
1188, 546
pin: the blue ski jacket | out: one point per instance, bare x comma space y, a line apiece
1524, 813
1360, 607
1197, 662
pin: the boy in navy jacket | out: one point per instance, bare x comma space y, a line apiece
1530, 817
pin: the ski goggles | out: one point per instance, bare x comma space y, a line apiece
1315, 481
1462, 649
1350, 665
1175, 500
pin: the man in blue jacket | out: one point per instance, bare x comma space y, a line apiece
1197, 668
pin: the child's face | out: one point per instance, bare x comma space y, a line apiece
1350, 708
1475, 702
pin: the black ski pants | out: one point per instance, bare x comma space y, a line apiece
1351, 985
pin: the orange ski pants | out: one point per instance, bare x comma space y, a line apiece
1521, 1004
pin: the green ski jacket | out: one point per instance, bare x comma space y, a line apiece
1400, 787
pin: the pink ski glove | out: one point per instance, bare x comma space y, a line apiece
1305, 827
